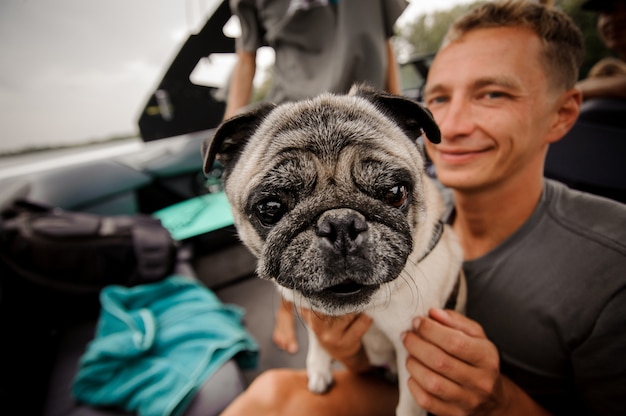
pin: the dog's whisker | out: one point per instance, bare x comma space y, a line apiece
416, 298
297, 306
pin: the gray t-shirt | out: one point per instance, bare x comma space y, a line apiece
320, 45
552, 298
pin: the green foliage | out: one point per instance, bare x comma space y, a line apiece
424, 34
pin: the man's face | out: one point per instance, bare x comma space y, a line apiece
489, 94
612, 25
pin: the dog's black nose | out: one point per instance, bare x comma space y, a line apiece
342, 229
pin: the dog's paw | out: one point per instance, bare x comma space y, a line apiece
320, 382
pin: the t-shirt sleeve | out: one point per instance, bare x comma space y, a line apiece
599, 364
392, 9
252, 32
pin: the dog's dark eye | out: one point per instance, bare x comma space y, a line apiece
270, 211
396, 196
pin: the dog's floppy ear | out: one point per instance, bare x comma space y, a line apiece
410, 115
231, 136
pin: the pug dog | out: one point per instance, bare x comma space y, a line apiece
331, 195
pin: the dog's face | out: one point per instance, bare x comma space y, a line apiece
328, 193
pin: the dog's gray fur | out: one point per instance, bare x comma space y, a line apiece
332, 197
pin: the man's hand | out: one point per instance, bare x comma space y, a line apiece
455, 369
341, 337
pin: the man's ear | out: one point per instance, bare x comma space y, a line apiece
231, 137
568, 109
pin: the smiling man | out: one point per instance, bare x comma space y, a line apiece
545, 265
498, 111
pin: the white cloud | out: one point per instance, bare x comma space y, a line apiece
74, 70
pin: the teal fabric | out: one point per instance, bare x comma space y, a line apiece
156, 344
196, 216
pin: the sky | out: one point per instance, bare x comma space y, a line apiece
80, 70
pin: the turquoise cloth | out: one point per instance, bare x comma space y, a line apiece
156, 344
196, 216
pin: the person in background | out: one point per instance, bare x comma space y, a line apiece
546, 310
320, 46
607, 78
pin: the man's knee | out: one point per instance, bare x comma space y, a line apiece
274, 388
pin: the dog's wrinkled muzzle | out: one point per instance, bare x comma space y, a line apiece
342, 231
341, 258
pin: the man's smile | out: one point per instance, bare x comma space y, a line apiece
459, 156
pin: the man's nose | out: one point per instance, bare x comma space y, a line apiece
456, 120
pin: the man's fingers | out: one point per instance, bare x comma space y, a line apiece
429, 401
351, 325
447, 332
340, 336
437, 360
458, 321
470, 361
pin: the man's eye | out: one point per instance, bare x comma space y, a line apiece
495, 94
439, 99
396, 196
270, 211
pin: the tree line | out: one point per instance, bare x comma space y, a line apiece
425, 34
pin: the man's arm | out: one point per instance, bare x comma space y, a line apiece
240, 89
393, 77
455, 368
603, 87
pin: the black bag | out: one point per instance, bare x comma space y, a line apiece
53, 264
77, 252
